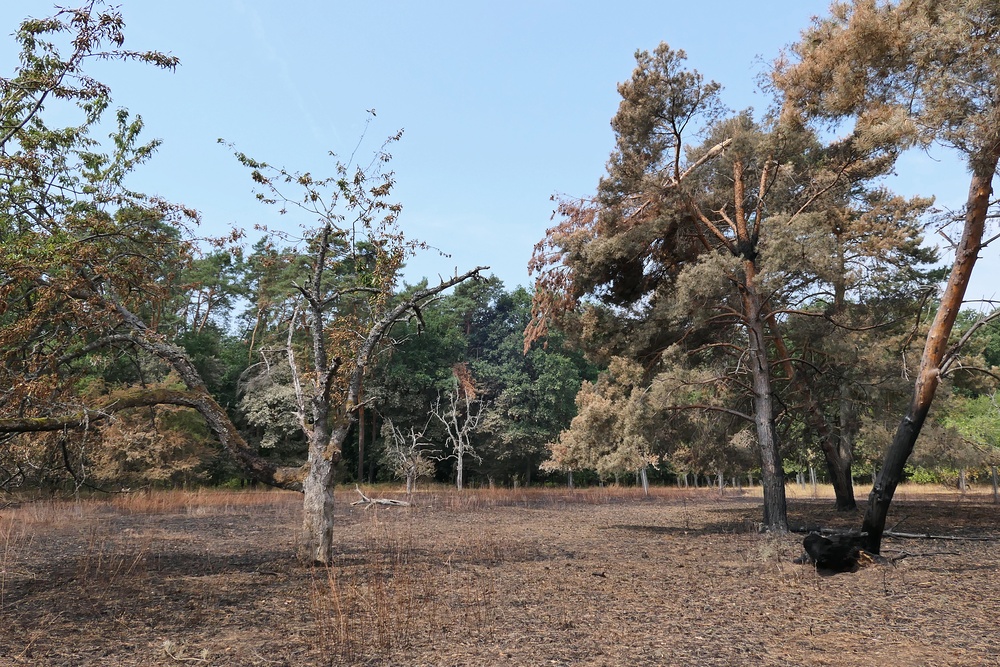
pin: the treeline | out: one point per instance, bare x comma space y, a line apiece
570, 411
460, 360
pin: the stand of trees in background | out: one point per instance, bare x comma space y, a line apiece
741, 297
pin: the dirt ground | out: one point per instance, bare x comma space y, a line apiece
529, 577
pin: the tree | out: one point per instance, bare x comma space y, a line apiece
460, 415
88, 266
408, 455
530, 396
707, 251
611, 432
338, 312
418, 367
926, 72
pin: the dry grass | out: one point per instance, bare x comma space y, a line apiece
600, 576
396, 596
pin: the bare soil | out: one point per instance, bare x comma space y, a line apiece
530, 577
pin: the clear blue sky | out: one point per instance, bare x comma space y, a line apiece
503, 103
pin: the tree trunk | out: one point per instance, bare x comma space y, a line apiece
839, 469
361, 443
935, 350
996, 485
459, 464
962, 483
372, 459
316, 543
569, 479
644, 479
812, 479
838, 449
772, 474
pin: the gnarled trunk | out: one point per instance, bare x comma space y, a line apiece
316, 543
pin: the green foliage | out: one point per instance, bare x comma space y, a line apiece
922, 475
530, 396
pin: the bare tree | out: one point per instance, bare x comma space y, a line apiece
408, 455
460, 414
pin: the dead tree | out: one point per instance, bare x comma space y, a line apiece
460, 415
408, 455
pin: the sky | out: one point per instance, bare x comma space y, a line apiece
503, 104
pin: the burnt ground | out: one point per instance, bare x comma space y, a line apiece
599, 577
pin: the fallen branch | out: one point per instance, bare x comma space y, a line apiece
928, 536
370, 502
893, 533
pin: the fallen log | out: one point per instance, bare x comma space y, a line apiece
367, 502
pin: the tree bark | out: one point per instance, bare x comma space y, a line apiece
361, 444
772, 474
316, 542
936, 350
839, 454
839, 469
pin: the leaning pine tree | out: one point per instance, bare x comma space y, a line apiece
928, 72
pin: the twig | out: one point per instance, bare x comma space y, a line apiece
179, 658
